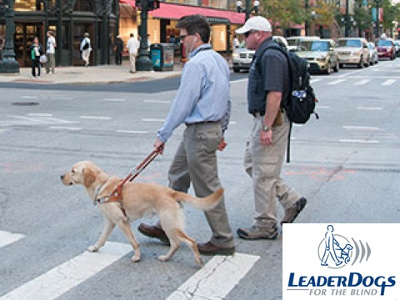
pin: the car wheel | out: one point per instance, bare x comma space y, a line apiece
340, 65
361, 63
366, 64
328, 69
236, 70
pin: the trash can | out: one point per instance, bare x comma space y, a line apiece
162, 56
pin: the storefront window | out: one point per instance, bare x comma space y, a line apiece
83, 5
28, 5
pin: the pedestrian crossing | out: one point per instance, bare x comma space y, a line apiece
214, 281
356, 81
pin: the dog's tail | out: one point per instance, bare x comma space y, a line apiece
205, 203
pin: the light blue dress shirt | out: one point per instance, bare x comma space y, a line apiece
203, 93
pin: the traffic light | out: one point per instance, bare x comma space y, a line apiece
152, 4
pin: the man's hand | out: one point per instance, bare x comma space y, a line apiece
159, 146
222, 145
266, 138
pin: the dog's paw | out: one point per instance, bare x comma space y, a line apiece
135, 258
93, 249
163, 258
200, 262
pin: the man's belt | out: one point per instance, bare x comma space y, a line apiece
202, 122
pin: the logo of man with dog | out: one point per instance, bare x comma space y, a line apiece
334, 250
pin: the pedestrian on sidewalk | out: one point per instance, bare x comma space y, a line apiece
118, 48
35, 51
203, 105
132, 47
86, 48
50, 52
265, 148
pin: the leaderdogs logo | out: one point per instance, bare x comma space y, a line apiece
336, 251
338, 275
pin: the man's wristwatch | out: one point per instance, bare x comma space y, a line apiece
266, 128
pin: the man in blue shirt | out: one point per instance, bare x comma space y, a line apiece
203, 105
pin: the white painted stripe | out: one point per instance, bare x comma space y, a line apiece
315, 80
216, 279
369, 108
95, 118
362, 82
158, 101
7, 238
361, 128
61, 279
39, 115
232, 122
114, 100
65, 128
336, 82
152, 120
132, 131
239, 80
359, 141
389, 82
323, 106
29, 97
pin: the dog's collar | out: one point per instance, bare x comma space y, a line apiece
96, 200
116, 197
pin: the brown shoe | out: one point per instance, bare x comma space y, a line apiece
210, 249
154, 232
292, 212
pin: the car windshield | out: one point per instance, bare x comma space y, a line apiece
314, 46
349, 43
293, 42
384, 43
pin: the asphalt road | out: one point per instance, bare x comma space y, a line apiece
346, 164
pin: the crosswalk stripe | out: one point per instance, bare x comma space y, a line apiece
389, 82
336, 82
211, 282
61, 279
7, 238
362, 82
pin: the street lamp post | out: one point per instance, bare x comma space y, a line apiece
9, 65
144, 62
248, 9
346, 24
306, 23
377, 2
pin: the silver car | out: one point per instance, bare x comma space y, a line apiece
373, 54
320, 54
353, 51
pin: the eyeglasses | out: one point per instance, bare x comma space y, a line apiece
182, 37
247, 34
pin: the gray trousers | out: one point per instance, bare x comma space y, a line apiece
264, 165
51, 63
196, 162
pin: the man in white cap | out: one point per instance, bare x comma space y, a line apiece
265, 149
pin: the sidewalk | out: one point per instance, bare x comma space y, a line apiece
104, 74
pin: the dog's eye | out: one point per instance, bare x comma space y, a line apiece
72, 171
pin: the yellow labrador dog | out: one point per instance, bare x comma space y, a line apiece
138, 200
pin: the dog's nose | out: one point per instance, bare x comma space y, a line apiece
62, 177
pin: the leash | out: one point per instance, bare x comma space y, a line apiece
117, 192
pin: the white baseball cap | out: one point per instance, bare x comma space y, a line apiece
255, 23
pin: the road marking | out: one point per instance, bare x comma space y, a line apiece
158, 101
336, 82
95, 118
114, 99
39, 115
315, 80
323, 106
361, 128
66, 128
369, 108
29, 97
362, 82
239, 80
7, 238
62, 278
359, 141
152, 120
132, 131
216, 279
389, 82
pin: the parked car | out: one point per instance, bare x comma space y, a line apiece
242, 57
397, 45
386, 48
353, 51
320, 55
373, 54
294, 41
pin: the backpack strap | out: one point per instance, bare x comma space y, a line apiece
275, 46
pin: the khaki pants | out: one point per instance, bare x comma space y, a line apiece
51, 63
132, 60
196, 161
264, 165
86, 56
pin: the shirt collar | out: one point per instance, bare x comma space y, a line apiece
198, 49
264, 44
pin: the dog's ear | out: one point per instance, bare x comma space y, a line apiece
89, 176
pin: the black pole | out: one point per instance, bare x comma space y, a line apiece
247, 10
143, 61
59, 32
346, 24
377, 19
307, 23
9, 64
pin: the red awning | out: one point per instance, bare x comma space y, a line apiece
175, 12
128, 2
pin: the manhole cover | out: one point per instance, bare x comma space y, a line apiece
25, 103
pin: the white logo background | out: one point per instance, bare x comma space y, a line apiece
303, 248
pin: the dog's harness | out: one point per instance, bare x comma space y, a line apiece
116, 194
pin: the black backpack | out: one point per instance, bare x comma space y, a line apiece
300, 103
